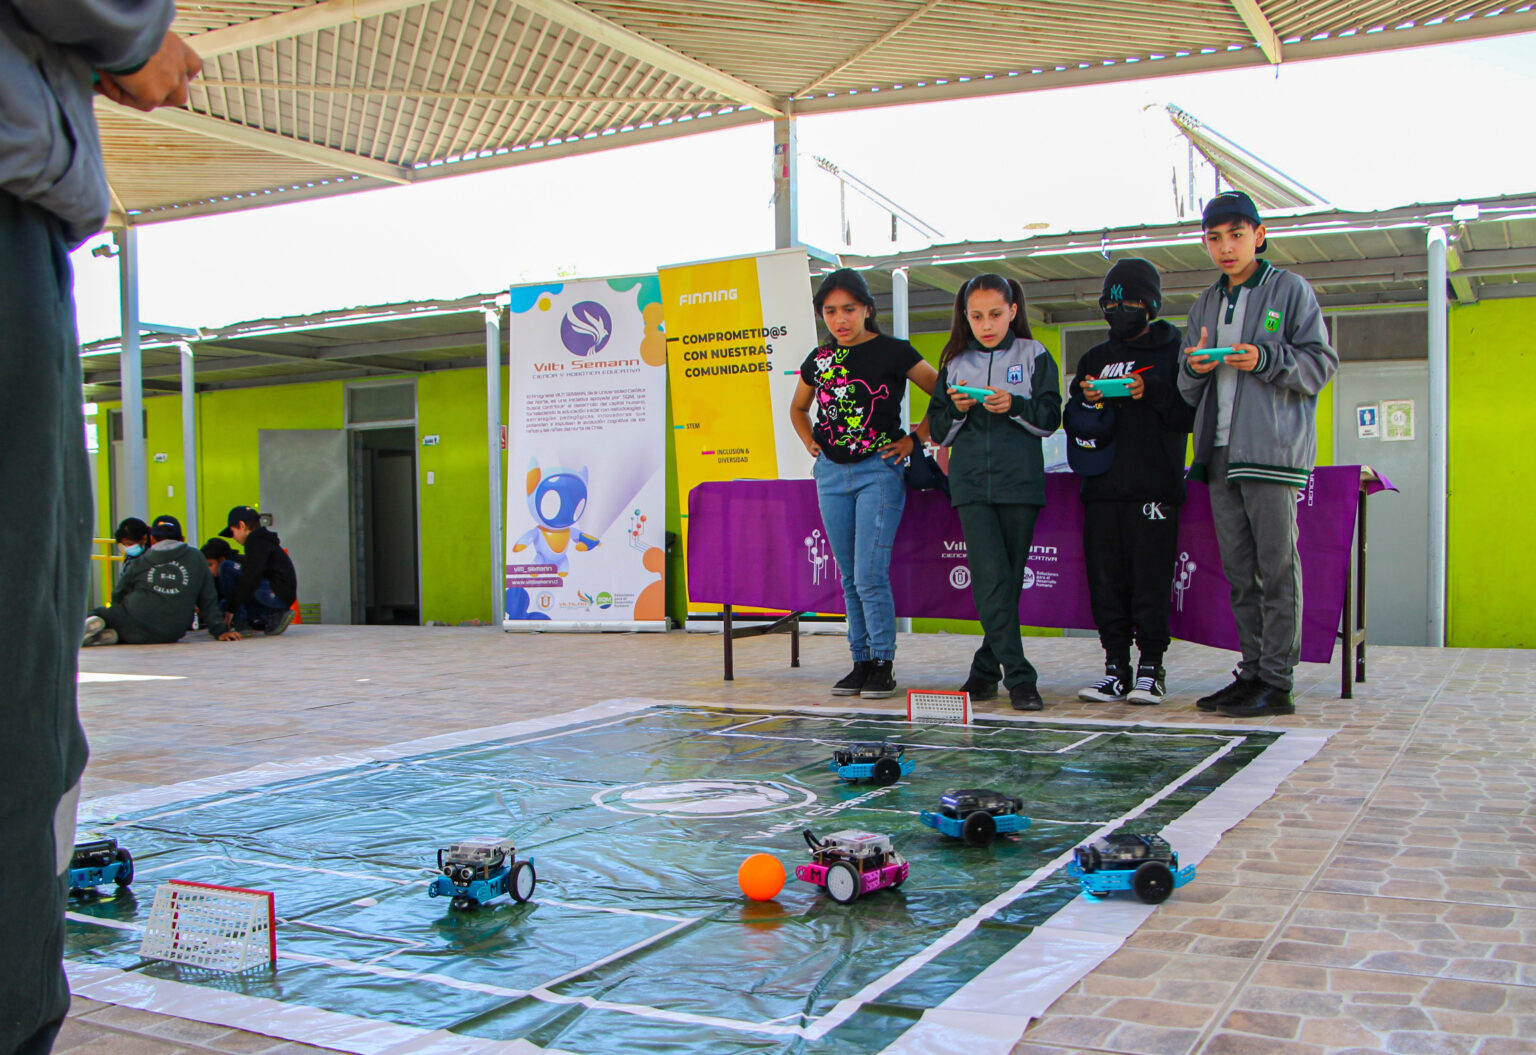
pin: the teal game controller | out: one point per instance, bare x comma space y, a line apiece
1218, 355
973, 391
1111, 386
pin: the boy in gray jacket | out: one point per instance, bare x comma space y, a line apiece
1255, 442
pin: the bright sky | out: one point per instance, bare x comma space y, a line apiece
1429, 124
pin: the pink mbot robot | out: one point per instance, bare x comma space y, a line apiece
851, 863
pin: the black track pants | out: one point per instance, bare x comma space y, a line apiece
1131, 548
45, 494
997, 539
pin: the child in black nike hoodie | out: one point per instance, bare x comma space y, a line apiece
1129, 451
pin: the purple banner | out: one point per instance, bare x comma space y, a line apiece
760, 544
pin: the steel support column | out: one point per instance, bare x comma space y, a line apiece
786, 184
135, 497
1439, 403
189, 441
493, 451
901, 326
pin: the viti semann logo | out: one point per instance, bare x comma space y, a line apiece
819, 556
1184, 579
586, 328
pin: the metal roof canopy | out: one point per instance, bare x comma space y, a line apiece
307, 99
1351, 259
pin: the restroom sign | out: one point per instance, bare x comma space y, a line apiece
1368, 421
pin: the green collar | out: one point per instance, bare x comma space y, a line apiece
972, 344
1253, 279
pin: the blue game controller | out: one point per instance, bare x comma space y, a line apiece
973, 391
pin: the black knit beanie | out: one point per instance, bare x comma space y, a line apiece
1134, 279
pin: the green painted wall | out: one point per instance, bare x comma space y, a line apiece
228, 423
1492, 476
1490, 485
455, 508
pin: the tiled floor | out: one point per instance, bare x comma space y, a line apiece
1383, 900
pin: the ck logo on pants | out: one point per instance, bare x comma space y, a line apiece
1153, 511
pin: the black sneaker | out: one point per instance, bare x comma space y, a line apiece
277, 624
1240, 689
1267, 700
1111, 687
1149, 686
1025, 698
881, 681
854, 680
980, 689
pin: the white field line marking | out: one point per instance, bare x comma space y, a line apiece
479, 749
849, 1005
612, 957
97, 921
260, 863
686, 1018
260, 793
84, 678
573, 906
926, 747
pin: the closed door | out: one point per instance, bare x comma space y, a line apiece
1395, 397
304, 490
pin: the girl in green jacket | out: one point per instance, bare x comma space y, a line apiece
996, 465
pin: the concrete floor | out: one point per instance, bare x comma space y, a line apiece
1383, 900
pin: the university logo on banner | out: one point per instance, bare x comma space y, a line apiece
586, 489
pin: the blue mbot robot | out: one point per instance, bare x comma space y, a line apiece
976, 815
474, 871
1143, 864
881, 762
99, 862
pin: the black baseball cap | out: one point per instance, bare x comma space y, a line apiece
167, 527
1231, 205
241, 515
1091, 443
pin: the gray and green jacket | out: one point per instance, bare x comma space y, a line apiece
1273, 436
997, 458
160, 589
50, 154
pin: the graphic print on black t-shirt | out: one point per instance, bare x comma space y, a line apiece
858, 395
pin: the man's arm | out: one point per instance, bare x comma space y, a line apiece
208, 605
1041, 413
1303, 360
109, 34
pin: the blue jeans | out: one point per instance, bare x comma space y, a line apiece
259, 609
861, 508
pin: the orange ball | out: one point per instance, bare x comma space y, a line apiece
761, 877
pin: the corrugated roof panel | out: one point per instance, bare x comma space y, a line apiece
432, 80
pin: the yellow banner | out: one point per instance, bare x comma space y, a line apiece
737, 331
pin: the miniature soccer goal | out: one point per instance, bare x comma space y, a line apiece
219, 928
946, 707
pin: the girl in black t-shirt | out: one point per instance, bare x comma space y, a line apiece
860, 443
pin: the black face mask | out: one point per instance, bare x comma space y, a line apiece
1125, 323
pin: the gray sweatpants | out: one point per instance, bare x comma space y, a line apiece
1256, 529
44, 491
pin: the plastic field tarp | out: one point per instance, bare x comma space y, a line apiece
637, 815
